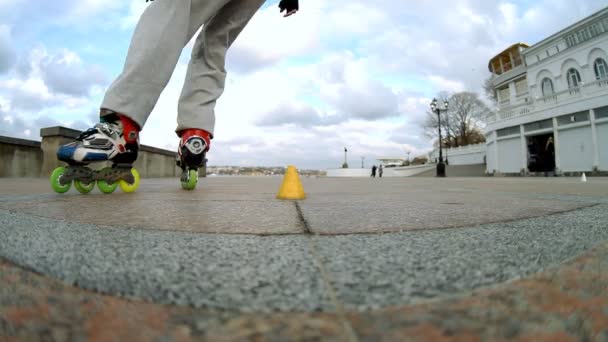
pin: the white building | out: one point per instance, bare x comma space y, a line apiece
392, 161
555, 90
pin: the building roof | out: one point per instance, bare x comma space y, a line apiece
506, 52
567, 29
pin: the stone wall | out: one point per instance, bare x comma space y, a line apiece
26, 158
402, 171
462, 155
19, 158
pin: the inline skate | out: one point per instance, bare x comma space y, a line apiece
115, 139
193, 146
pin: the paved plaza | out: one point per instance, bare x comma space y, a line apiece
359, 259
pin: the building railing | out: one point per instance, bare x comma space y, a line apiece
501, 77
596, 88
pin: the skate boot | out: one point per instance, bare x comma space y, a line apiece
115, 139
193, 146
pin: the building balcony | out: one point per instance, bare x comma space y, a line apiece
530, 105
501, 78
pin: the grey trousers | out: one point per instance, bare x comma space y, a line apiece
164, 29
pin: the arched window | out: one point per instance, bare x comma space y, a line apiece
547, 86
574, 78
601, 69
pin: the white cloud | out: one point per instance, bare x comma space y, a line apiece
65, 73
339, 73
269, 38
136, 8
346, 83
47, 89
446, 84
7, 52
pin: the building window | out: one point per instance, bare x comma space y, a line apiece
504, 94
600, 68
574, 78
547, 86
601, 113
595, 29
538, 125
580, 37
521, 86
507, 131
573, 118
570, 40
589, 32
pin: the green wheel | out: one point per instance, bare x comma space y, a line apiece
84, 188
126, 187
192, 180
105, 187
55, 184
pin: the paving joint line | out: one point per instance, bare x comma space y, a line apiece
302, 220
333, 297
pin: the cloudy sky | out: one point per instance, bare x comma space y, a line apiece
340, 73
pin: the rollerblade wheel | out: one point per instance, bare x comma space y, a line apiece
55, 181
190, 184
84, 188
105, 187
126, 187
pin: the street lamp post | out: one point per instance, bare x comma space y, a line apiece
447, 124
435, 108
362, 164
345, 165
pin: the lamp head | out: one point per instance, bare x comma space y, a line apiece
446, 104
434, 105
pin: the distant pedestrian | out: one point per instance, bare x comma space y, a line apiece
549, 157
380, 170
374, 171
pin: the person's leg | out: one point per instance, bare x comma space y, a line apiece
206, 73
163, 30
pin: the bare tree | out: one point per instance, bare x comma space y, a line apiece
490, 91
462, 123
468, 113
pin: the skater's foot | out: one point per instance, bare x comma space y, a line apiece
115, 138
193, 145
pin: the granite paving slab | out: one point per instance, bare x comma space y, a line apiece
375, 271
566, 303
374, 213
334, 206
35, 308
240, 272
138, 210
174, 270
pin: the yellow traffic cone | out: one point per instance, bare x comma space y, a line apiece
292, 188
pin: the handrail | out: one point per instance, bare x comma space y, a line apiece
595, 88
